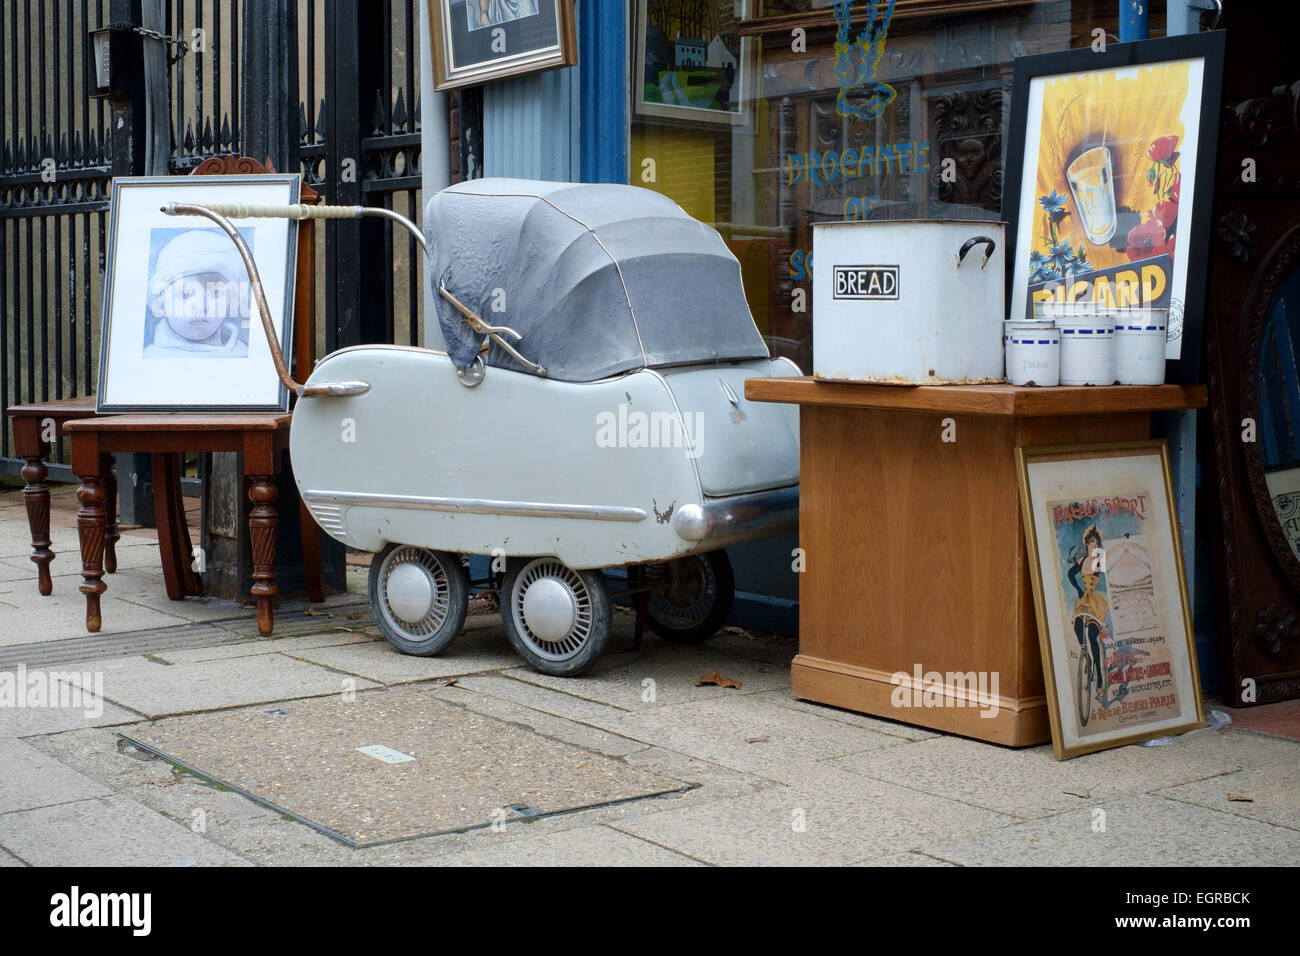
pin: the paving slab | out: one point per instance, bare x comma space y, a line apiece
748, 720
110, 831
1270, 782
905, 859
479, 650
584, 846
157, 690
33, 721
756, 645
1168, 833
8, 859
566, 702
785, 826
879, 724
1029, 782
445, 767
757, 754
620, 679
29, 779
63, 614
257, 646
139, 555
538, 721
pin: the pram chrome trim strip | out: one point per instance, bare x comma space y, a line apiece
718, 518
475, 506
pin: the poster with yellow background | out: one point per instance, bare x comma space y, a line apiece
1102, 210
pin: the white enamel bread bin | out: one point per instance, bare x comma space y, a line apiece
908, 302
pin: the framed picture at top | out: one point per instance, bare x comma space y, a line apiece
1110, 593
477, 41
691, 64
181, 331
1110, 178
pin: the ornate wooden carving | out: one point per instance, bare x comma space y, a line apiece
262, 522
1279, 264
1257, 206
92, 518
968, 130
37, 496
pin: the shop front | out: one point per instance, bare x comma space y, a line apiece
765, 118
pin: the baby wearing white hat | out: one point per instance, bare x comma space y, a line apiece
197, 278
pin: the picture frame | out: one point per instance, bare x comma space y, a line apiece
712, 61
181, 332
511, 38
1104, 145
1110, 594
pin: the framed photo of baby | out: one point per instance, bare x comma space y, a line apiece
181, 330
1110, 592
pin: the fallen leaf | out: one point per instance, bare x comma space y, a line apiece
1077, 792
165, 783
756, 740
717, 680
353, 617
1240, 798
448, 681
312, 612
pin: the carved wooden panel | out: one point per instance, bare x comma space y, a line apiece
1255, 249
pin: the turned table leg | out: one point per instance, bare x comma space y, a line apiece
92, 520
37, 496
262, 521
111, 535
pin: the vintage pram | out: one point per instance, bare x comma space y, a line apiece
585, 411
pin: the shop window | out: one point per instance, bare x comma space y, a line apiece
762, 117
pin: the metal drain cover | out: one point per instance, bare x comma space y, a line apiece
463, 770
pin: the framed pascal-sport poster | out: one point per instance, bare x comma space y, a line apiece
1110, 175
1114, 624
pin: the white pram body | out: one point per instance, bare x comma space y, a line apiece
580, 406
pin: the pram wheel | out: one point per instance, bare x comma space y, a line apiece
419, 597
557, 619
690, 597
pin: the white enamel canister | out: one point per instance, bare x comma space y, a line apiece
1140, 346
908, 302
1087, 350
1033, 353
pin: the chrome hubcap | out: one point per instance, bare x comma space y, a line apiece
415, 591
411, 592
552, 609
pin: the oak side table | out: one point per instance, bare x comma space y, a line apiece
914, 546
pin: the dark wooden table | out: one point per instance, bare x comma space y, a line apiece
261, 437
915, 545
36, 427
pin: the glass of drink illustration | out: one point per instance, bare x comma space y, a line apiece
1093, 185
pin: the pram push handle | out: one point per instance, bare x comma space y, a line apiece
222, 212
216, 213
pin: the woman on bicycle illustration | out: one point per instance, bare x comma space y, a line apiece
1091, 608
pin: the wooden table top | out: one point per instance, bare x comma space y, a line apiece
182, 422
84, 405
1006, 400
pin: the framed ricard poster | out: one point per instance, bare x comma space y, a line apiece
1110, 170
1119, 657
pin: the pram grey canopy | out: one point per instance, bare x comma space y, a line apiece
596, 278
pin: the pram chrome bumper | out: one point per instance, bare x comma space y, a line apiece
736, 517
